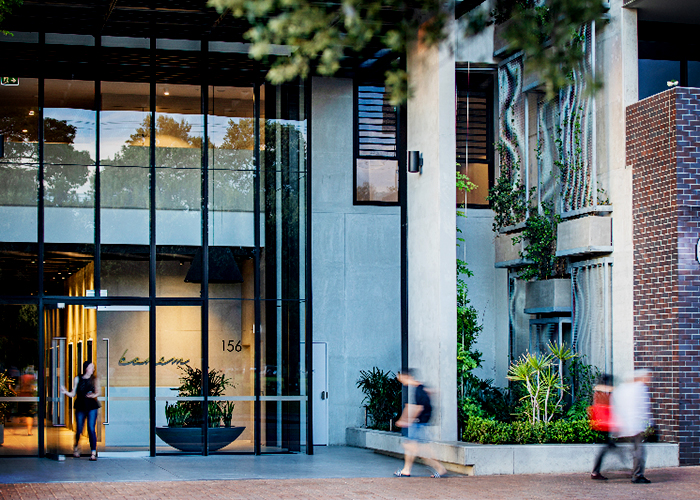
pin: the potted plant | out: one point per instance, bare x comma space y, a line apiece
185, 423
6, 391
227, 412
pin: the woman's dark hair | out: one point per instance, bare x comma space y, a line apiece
605, 379
94, 372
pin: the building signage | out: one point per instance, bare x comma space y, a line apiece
161, 362
9, 81
697, 251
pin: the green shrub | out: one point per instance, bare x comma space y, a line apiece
484, 431
382, 397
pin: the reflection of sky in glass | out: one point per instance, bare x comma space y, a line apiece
117, 126
84, 122
654, 75
115, 129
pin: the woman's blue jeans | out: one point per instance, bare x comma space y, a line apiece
91, 416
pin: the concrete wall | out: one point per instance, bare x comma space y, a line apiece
488, 291
356, 262
474, 49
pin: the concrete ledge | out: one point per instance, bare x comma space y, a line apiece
486, 459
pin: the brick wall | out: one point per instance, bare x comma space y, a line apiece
663, 148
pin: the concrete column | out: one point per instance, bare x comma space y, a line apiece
432, 322
617, 63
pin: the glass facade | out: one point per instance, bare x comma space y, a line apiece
155, 224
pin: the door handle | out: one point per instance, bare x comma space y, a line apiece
106, 421
324, 395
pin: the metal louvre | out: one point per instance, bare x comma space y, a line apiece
472, 123
592, 317
376, 123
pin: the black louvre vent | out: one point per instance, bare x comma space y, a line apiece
376, 120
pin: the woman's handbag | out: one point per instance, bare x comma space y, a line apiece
600, 417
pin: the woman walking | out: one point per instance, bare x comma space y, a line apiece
86, 405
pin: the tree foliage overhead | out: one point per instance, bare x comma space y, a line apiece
6, 7
321, 34
548, 32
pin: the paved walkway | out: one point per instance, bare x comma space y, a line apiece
332, 473
679, 483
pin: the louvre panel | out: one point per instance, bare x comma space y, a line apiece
376, 123
472, 123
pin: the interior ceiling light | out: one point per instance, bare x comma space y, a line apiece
24, 130
166, 92
31, 113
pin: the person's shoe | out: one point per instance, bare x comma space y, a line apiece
76, 452
400, 473
93, 457
598, 476
640, 480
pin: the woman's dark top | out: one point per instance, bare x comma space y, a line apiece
423, 399
82, 402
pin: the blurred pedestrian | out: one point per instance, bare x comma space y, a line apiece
601, 419
416, 417
86, 405
632, 410
27, 389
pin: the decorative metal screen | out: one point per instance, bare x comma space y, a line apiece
566, 139
554, 330
577, 133
511, 128
547, 153
518, 321
592, 317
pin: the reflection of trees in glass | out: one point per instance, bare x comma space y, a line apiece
232, 168
367, 192
19, 186
66, 175
284, 160
21, 133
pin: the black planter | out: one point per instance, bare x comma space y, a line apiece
190, 438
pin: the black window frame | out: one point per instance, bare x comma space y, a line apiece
463, 80
357, 83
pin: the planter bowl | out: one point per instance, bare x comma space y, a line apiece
548, 296
189, 439
584, 236
507, 252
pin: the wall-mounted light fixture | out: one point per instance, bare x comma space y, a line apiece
415, 162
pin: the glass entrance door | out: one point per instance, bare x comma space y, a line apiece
122, 362
66, 328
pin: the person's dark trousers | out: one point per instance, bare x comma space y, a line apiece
91, 417
610, 445
639, 456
